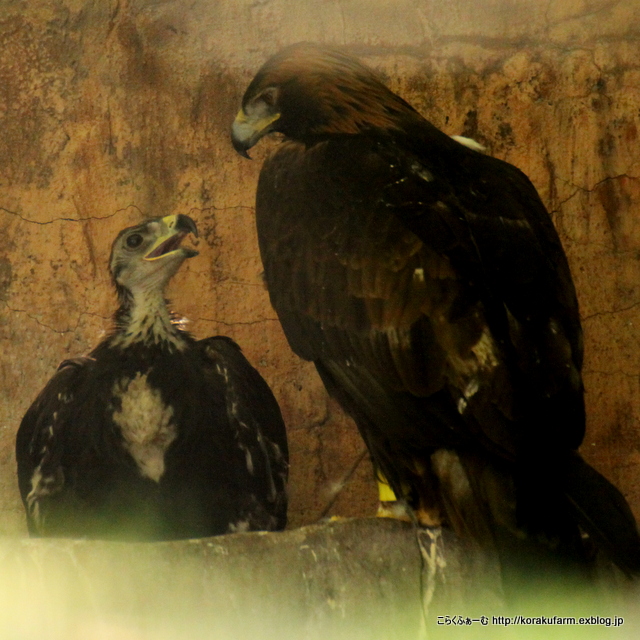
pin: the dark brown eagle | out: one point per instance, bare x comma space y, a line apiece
428, 285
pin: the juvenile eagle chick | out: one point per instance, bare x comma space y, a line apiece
154, 435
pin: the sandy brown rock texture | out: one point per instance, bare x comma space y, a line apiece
111, 111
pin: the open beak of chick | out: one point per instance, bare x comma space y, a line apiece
175, 229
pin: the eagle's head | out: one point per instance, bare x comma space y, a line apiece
145, 257
308, 91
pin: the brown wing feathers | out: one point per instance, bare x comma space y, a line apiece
427, 283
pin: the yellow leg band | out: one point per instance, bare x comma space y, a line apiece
385, 492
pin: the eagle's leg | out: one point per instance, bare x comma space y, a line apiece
429, 517
425, 513
390, 506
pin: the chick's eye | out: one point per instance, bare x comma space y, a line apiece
134, 240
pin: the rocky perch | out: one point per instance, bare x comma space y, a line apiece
357, 579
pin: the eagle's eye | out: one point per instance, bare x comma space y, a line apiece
134, 240
269, 96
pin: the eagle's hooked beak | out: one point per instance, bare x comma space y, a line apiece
175, 229
247, 129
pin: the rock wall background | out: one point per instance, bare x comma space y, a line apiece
115, 110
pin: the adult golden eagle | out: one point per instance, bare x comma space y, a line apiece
428, 285
154, 435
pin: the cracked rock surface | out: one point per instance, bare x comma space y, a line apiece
116, 110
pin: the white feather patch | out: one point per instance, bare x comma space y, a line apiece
470, 143
146, 424
150, 323
43, 485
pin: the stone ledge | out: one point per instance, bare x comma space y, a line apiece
362, 578
312, 582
